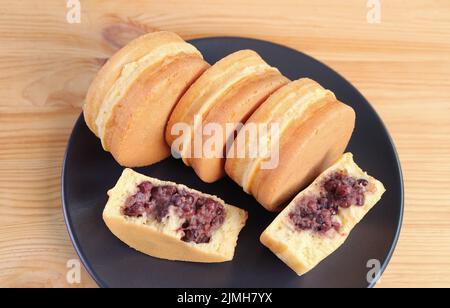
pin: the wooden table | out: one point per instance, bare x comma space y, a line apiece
402, 65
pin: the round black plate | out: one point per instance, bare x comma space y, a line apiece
89, 172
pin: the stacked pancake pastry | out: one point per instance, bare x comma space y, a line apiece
130, 100
313, 131
228, 92
320, 218
172, 221
158, 95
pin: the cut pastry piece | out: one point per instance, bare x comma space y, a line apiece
227, 93
130, 100
320, 218
313, 131
171, 221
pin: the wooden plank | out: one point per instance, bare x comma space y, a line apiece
401, 65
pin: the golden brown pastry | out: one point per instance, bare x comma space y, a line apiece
228, 92
320, 218
130, 100
314, 130
171, 221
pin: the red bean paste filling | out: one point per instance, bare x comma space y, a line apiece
202, 216
316, 213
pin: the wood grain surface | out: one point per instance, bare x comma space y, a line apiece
402, 65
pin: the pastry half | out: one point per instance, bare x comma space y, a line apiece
130, 100
171, 221
227, 93
313, 130
320, 218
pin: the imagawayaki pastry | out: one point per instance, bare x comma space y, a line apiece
320, 218
130, 100
228, 92
314, 129
171, 221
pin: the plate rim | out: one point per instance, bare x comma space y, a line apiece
393, 246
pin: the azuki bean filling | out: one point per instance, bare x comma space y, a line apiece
338, 191
201, 216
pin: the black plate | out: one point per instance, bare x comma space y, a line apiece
89, 172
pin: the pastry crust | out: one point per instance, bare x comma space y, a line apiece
111, 71
125, 73
235, 107
314, 131
135, 133
228, 92
303, 250
162, 240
